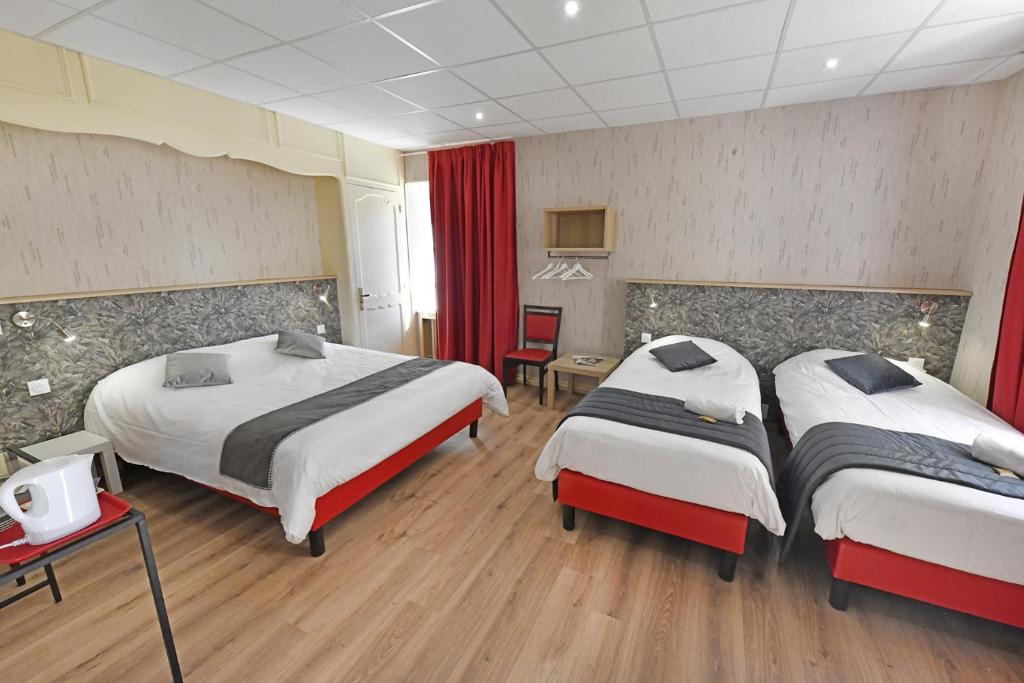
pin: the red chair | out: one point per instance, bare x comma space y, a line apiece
541, 325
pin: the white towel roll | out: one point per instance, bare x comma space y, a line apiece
1001, 449
720, 410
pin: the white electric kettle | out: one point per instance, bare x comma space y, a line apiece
63, 498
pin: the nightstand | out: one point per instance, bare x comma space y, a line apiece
82, 442
565, 363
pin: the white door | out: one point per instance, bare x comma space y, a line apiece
381, 265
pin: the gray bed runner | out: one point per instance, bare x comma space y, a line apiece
665, 414
833, 446
249, 450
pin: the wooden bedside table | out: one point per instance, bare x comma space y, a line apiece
566, 364
82, 442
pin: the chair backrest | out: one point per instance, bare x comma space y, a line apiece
541, 325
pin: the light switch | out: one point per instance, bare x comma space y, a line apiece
645, 337
38, 387
321, 329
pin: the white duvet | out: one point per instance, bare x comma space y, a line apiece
947, 524
182, 430
679, 467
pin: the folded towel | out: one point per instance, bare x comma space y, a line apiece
1000, 449
720, 410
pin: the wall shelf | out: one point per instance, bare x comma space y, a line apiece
579, 230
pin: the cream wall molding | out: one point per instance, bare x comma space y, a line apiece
773, 285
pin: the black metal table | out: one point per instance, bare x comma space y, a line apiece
133, 518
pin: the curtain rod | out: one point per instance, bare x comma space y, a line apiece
412, 154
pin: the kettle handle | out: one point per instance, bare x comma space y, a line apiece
7, 500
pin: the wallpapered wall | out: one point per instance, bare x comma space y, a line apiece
85, 213
768, 325
877, 191
116, 331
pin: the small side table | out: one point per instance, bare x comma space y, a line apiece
566, 364
82, 442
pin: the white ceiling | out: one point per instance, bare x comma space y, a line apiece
414, 74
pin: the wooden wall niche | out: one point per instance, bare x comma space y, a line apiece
580, 230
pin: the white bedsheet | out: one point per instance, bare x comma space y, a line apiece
947, 524
679, 467
182, 430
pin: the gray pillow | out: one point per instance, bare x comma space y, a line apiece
196, 370
300, 344
684, 355
871, 373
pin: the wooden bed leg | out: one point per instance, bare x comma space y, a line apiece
568, 517
474, 428
316, 543
839, 594
727, 565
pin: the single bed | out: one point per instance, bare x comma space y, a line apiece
689, 487
931, 540
318, 471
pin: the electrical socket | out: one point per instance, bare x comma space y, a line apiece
38, 387
645, 337
916, 362
321, 329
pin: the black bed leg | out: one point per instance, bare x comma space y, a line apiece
727, 565
474, 428
568, 517
316, 543
554, 490
839, 594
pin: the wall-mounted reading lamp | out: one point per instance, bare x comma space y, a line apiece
653, 304
322, 296
927, 309
26, 320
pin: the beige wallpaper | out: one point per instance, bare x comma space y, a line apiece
89, 213
876, 191
997, 215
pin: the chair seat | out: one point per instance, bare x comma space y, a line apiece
530, 355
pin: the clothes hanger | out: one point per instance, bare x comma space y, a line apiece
557, 271
551, 265
578, 272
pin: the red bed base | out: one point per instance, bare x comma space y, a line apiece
344, 496
710, 526
866, 565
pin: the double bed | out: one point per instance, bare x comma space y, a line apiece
319, 470
688, 487
931, 540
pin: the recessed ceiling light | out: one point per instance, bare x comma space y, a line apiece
832, 63
572, 7
479, 116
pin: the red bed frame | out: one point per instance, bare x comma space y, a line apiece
726, 531
347, 494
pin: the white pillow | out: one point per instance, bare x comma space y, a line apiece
1001, 449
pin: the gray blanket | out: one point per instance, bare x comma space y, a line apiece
249, 450
833, 446
665, 414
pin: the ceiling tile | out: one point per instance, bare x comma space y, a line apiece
723, 104
116, 44
509, 130
816, 92
564, 124
669, 9
635, 115
545, 22
292, 19
369, 130
294, 68
829, 21
626, 92
628, 53
454, 137
187, 24
421, 122
367, 101
545, 105
722, 78
457, 31
863, 57
962, 42
465, 114
965, 10
731, 33
79, 4
229, 82
375, 8
432, 90
312, 110
30, 17
512, 75
1006, 69
930, 76
367, 50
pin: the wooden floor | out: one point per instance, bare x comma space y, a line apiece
460, 570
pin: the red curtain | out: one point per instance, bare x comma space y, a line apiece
473, 208
1006, 390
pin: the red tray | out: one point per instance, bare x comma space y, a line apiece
112, 509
